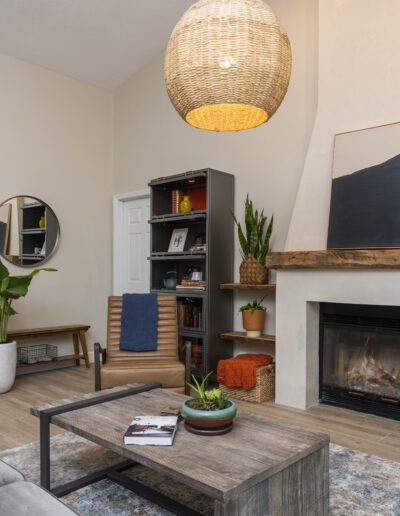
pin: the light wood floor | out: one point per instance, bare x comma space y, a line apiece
374, 435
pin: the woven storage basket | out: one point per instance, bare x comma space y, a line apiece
264, 390
252, 272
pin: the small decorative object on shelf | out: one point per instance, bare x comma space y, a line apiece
42, 222
178, 240
176, 197
186, 204
254, 244
253, 315
199, 244
211, 413
170, 280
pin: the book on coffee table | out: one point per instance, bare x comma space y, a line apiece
152, 430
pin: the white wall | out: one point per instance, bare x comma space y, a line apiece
359, 84
151, 140
56, 144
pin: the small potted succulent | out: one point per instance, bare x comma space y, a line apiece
253, 315
11, 288
211, 413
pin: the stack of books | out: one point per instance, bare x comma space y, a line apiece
198, 248
152, 430
191, 285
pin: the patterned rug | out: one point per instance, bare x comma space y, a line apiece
360, 484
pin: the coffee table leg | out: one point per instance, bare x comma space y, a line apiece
301, 489
45, 451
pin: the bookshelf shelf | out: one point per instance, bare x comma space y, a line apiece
241, 335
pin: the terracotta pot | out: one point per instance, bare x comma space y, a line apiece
208, 422
253, 322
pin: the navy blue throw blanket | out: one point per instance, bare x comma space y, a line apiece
139, 322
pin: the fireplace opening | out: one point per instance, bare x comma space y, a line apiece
360, 358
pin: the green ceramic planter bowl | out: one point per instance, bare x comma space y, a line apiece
212, 422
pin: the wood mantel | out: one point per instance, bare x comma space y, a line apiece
336, 259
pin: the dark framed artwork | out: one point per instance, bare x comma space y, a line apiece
365, 198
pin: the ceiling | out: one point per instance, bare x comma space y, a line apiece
102, 42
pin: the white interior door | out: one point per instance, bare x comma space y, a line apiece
134, 247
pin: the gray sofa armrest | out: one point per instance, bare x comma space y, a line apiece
21, 498
8, 474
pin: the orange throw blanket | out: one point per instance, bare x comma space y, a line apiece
241, 371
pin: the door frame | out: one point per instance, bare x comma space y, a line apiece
118, 210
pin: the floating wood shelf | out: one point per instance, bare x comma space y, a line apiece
241, 335
336, 259
270, 287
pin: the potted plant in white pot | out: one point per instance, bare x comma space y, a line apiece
253, 318
254, 239
11, 288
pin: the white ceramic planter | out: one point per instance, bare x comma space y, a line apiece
8, 365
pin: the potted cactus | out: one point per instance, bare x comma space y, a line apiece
254, 242
11, 288
211, 413
253, 315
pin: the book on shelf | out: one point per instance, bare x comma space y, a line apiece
152, 430
191, 314
191, 285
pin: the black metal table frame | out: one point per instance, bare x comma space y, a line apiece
115, 472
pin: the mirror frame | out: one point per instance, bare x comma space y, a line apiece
56, 245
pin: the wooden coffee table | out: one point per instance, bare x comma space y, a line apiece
263, 467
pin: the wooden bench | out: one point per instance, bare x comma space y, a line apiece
78, 332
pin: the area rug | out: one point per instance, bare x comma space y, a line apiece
360, 484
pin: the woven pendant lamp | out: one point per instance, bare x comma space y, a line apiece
227, 64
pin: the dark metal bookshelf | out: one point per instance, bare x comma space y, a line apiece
216, 263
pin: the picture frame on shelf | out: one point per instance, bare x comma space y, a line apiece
178, 240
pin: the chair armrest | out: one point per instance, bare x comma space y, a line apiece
98, 352
188, 363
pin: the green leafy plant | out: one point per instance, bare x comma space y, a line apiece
212, 399
12, 288
254, 240
255, 305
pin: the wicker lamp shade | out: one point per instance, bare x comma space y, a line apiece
228, 64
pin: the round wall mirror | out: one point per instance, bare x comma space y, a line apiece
29, 231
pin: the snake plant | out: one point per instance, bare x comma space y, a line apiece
254, 239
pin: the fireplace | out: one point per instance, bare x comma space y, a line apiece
360, 357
